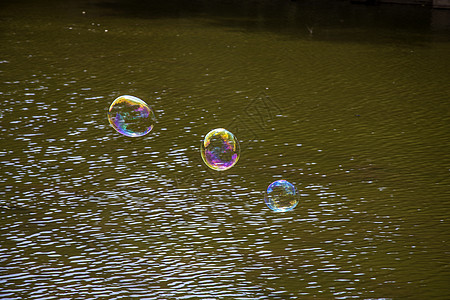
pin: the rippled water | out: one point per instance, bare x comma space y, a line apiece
348, 102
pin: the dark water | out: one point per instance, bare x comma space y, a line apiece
350, 103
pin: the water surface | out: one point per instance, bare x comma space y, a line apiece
348, 102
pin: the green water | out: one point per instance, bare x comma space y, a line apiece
347, 102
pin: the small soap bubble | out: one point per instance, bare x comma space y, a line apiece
220, 149
281, 195
131, 116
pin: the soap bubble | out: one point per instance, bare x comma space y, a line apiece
131, 116
220, 149
281, 195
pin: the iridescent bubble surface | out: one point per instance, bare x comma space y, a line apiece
131, 116
281, 195
220, 149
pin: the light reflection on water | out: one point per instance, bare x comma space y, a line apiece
359, 128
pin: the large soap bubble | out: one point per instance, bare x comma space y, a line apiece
131, 116
281, 195
220, 149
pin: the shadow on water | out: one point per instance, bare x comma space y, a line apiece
333, 21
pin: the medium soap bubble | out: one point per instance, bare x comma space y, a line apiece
220, 149
281, 195
131, 116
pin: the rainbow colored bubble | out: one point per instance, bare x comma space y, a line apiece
131, 116
220, 149
281, 195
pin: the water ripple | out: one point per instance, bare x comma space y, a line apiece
85, 211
